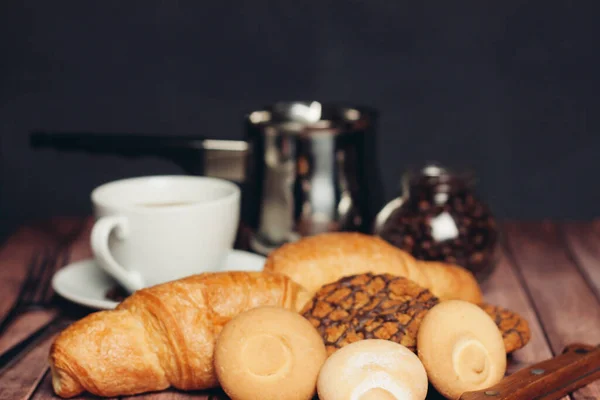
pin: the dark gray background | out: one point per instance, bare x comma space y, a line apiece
507, 88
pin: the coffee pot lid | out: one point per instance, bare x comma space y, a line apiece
303, 116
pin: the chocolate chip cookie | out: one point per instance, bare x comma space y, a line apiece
368, 306
514, 328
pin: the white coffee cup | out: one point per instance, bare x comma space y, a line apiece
155, 229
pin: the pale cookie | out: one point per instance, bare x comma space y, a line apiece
461, 348
269, 353
373, 369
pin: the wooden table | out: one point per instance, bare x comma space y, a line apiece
549, 272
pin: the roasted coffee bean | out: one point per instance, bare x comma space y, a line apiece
458, 208
476, 258
478, 240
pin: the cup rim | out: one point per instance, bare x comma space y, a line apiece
233, 195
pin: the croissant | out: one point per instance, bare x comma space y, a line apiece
324, 258
161, 336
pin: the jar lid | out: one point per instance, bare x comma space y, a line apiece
440, 172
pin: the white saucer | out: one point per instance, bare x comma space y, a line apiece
85, 283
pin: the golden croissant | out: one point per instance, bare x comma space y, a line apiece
324, 258
161, 336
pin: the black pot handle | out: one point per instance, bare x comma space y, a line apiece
185, 151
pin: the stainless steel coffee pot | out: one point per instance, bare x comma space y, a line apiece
304, 167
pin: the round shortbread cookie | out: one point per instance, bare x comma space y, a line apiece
269, 353
461, 348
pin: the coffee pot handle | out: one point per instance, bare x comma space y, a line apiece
195, 155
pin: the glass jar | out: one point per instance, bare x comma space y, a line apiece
440, 218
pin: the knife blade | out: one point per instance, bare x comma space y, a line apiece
577, 366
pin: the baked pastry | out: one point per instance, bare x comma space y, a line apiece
369, 306
461, 348
317, 260
269, 353
373, 370
161, 336
389, 307
515, 329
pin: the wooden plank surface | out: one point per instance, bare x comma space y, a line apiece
21, 380
565, 304
16, 252
504, 288
23, 326
583, 241
548, 273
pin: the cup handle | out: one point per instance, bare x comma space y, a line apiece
101, 231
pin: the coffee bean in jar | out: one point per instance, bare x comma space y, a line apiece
440, 218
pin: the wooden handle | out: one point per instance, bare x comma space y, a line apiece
577, 366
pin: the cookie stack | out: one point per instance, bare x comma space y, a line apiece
434, 310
